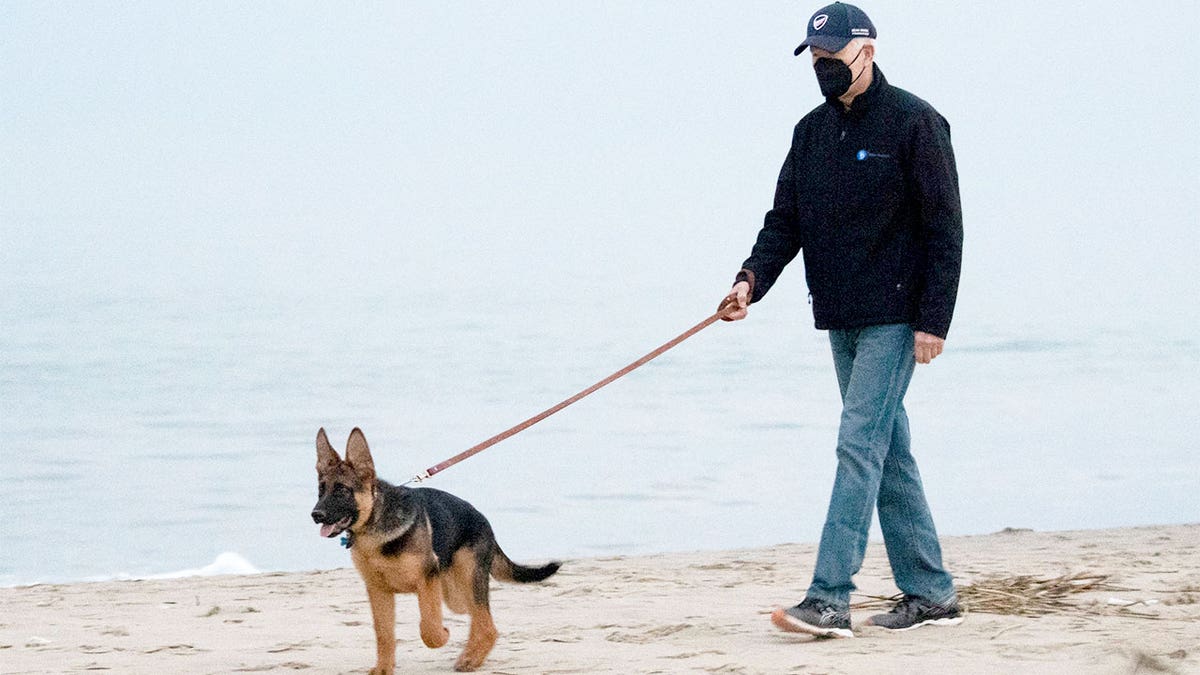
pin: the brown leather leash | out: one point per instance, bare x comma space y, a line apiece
727, 306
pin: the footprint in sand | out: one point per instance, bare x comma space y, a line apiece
288, 665
180, 649
649, 635
692, 655
289, 647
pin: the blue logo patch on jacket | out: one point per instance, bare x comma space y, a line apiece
864, 154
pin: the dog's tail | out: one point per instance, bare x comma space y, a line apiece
505, 569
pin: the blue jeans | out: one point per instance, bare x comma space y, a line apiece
874, 366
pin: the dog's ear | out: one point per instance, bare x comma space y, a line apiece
327, 457
358, 455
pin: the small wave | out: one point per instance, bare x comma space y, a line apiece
226, 563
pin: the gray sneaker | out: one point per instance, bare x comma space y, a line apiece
814, 617
914, 612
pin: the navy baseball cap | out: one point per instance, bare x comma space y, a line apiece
834, 26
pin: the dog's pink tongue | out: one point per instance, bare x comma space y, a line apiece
327, 529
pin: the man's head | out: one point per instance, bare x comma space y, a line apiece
841, 39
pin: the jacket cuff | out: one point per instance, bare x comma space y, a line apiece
746, 276
937, 330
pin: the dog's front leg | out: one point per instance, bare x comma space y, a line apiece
429, 596
383, 614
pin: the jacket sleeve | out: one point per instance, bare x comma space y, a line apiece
779, 240
936, 181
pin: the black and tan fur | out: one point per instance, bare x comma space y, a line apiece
413, 540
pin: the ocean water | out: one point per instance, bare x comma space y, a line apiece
150, 431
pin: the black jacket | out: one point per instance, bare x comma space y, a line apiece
871, 196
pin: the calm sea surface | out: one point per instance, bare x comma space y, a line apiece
151, 432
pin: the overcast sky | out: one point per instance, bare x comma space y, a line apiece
272, 144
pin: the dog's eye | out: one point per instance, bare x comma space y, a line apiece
320, 489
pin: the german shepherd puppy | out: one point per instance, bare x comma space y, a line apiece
406, 540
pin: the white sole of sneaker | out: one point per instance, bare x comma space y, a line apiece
788, 623
932, 622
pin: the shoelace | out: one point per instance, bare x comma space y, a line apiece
909, 606
829, 613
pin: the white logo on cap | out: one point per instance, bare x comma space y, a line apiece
819, 21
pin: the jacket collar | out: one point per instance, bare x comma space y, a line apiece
864, 101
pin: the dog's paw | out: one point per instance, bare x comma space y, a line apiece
468, 662
435, 637
383, 670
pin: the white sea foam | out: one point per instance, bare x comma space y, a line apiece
228, 563
225, 564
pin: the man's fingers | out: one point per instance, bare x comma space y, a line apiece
735, 303
927, 347
731, 309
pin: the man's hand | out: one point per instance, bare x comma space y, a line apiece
740, 296
927, 347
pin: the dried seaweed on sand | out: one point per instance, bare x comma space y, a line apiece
1027, 595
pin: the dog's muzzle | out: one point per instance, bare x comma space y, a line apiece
328, 529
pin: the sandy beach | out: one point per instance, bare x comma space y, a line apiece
670, 613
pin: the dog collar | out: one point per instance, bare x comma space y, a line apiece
347, 539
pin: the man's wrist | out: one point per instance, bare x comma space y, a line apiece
746, 276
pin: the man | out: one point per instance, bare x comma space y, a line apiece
869, 192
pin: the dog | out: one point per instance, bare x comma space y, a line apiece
413, 540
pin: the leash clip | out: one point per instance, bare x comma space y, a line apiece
419, 478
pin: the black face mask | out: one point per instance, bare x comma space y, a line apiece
834, 76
